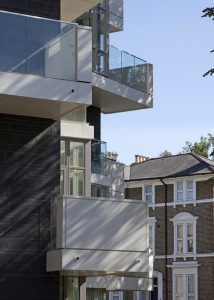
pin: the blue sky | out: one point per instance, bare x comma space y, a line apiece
177, 41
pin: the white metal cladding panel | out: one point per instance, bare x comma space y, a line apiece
94, 223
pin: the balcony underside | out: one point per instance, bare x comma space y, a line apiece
120, 283
41, 97
71, 9
112, 96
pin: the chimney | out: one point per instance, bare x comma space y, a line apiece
140, 158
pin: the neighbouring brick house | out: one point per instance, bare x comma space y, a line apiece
180, 192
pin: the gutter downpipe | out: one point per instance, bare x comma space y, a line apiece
166, 237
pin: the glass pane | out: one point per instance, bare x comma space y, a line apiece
149, 198
189, 230
180, 185
128, 69
140, 75
115, 71
190, 245
191, 298
179, 298
179, 196
13, 43
190, 195
179, 285
179, 231
191, 284
148, 189
101, 45
71, 288
150, 237
62, 153
77, 182
180, 246
190, 185
101, 63
77, 154
50, 46
61, 182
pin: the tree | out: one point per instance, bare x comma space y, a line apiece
209, 13
203, 147
165, 153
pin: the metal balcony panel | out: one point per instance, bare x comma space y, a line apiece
112, 96
109, 236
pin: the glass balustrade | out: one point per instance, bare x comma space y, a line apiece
98, 153
127, 69
38, 46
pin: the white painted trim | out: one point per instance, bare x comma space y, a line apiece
184, 270
174, 204
140, 183
184, 219
186, 256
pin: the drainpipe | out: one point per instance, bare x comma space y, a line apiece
166, 237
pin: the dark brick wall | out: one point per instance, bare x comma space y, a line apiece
29, 178
204, 189
133, 193
160, 193
94, 119
41, 8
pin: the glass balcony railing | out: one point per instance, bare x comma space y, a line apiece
37, 46
98, 153
127, 69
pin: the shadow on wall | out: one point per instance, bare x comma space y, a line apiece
29, 161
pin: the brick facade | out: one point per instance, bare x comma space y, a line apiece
29, 164
204, 233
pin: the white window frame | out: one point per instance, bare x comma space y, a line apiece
116, 293
151, 224
185, 190
184, 219
184, 272
152, 203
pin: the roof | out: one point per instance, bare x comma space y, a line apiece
172, 166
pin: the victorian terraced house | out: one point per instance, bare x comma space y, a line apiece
180, 193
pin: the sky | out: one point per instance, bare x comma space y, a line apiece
177, 41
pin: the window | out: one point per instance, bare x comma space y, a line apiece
184, 234
151, 233
115, 295
72, 174
185, 283
148, 193
184, 190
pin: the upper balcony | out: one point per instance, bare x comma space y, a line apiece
125, 84
99, 237
43, 59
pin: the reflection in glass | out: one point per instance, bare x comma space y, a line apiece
37, 46
77, 180
77, 154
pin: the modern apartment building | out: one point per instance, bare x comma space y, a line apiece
180, 193
64, 222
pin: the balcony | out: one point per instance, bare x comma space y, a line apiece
42, 59
98, 237
126, 84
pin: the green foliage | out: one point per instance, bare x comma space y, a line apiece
209, 13
203, 147
165, 153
